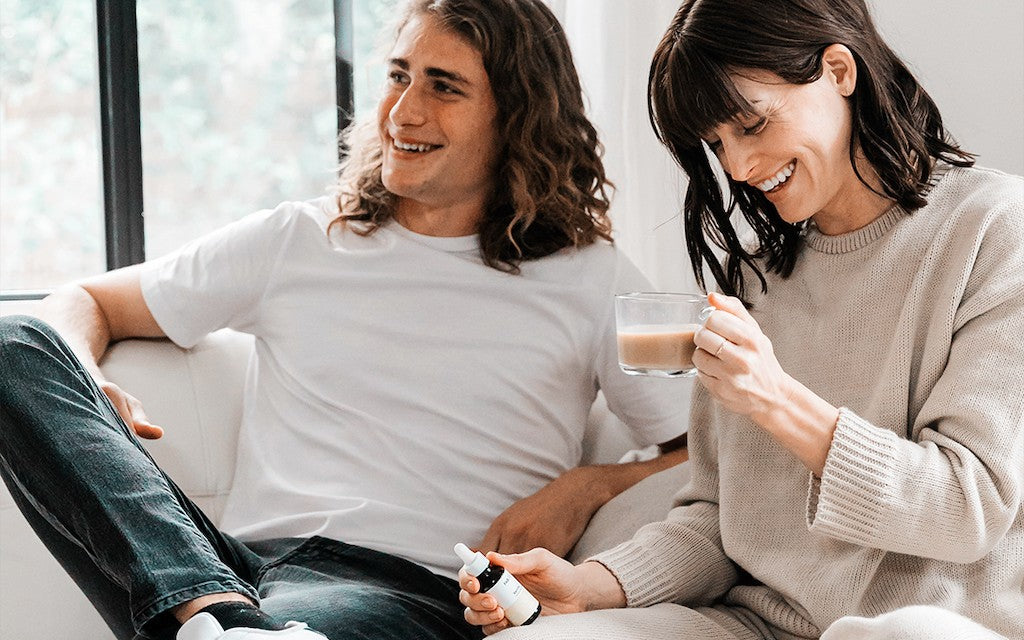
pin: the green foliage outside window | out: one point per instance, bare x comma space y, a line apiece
238, 113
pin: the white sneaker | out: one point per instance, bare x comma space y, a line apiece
203, 626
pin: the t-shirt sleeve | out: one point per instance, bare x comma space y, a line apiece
656, 409
216, 281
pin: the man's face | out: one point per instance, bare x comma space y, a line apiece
438, 120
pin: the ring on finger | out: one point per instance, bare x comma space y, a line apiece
721, 346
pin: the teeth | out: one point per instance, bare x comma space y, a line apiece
778, 178
413, 147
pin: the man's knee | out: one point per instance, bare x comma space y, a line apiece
31, 353
20, 340
21, 335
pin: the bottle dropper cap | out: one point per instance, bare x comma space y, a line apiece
474, 560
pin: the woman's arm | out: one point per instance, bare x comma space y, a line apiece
681, 559
952, 490
737, 365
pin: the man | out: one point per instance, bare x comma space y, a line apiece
428, 345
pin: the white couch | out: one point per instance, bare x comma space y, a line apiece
196, 395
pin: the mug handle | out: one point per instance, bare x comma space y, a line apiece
705, 313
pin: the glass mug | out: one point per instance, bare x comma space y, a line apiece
655, 332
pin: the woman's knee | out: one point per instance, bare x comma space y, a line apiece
909, 623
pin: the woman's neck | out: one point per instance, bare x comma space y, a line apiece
856, 206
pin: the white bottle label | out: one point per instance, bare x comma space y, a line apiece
518, 603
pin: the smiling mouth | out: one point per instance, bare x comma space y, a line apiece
417, 147
775, 182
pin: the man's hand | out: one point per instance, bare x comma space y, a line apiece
131, 411
95, 312
555, 516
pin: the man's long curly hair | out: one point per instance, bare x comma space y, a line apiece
550, 187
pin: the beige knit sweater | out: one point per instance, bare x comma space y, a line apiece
915, 325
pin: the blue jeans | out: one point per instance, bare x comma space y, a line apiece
137, 546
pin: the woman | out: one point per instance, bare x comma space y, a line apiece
857, 433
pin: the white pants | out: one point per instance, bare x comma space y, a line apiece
674, 622
910, 623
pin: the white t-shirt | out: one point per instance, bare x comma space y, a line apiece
402, 393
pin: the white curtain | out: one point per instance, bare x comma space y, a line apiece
613, 42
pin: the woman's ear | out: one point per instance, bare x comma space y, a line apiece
839, 65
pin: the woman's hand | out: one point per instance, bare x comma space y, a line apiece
736, 363
556, 583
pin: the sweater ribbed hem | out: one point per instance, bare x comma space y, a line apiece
629, 563
772, 607
849, 498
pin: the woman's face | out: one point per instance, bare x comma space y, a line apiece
796, 148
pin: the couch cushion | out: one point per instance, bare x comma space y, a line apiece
647, 501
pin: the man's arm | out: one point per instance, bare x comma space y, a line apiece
93, 313
556, 516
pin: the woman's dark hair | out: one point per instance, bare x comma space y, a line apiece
550, 184
896, 125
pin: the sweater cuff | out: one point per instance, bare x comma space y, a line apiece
848, 501
629, 564
650, 573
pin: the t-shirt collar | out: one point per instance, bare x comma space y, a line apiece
456, 244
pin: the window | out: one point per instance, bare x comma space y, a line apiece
51, 199
373, 22
237, 110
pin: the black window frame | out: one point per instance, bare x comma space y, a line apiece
121, 126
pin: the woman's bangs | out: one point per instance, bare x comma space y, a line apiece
694, 95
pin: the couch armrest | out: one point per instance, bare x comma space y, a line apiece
196, 396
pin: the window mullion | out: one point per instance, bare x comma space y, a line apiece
343, 56
121, 128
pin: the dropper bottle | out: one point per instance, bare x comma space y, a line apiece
520, 606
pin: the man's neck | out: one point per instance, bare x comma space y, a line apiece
443, 221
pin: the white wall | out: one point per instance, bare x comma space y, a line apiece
613, 42
970, 57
